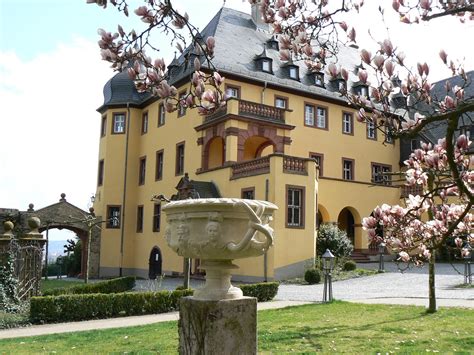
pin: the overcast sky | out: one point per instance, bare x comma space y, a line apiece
51, 80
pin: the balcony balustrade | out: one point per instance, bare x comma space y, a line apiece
291, 165
248, 109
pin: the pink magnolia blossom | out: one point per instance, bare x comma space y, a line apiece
443, 56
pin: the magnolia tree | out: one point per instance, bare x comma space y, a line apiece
312, 32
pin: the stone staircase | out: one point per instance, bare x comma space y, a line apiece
359, 257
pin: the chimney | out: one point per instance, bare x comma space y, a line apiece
257, 17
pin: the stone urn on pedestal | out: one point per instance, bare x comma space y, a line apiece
218, 319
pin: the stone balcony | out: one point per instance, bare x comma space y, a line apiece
290, 165
249, 110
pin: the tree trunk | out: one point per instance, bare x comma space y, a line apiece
431, 282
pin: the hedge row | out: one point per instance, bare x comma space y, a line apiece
120, 284
66, 308
264, 291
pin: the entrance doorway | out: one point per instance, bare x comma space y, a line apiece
155, 263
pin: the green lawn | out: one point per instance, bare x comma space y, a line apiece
57, 283
336, 327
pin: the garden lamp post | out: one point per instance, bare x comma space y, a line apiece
467, 264
328, 265
59, 262
381, 253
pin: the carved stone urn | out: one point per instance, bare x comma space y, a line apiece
217, 231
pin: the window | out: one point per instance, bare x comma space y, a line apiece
232, 91
380, 174
371, 131
139, 219
321, 118
182, 102
161, 114
294, 203
347, 123
248, 193
100, 175
364, 91
103, 126
341, 85
142, 171
159, 165
281, 102
414, 144
118, 124
267, 65
179, 159
293, 71
388, 135
113, 217
319, 160
319, 79
156, 217
347, 169
145, 123
309, 115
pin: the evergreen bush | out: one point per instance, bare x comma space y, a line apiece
332, 238
67, 308
9, 301
312, 276
349, 265
264, 291
120, 284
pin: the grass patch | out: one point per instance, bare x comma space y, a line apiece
337, 275
464, 286
57, 283
334, 327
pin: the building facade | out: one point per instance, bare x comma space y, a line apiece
286, 135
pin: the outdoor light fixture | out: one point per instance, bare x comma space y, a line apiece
328, 265
467, 264
381, 252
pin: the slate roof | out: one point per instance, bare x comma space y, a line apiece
238, 42
436, 131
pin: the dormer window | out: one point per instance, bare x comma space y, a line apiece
319, 79
266, 65
272, 43
293, 72
341, 85
363, 91
264, 62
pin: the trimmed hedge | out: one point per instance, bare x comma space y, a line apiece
120, 284
66, 308
264, 291
312, 276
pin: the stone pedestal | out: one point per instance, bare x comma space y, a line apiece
218, 327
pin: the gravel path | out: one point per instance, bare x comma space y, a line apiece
410, 287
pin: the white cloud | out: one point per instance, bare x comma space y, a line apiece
49, 126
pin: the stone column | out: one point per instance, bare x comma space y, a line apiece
218, 327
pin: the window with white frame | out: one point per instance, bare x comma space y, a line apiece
113, 217
388, 135
319, 80
321, 119
232, 91
293, 73
161, 114
309, 115
266, 66
381, 174
348, 169
295, 199
281, 102
371, 131
145, 123
118, 123
347, 122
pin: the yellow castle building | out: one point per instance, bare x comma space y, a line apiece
286, 136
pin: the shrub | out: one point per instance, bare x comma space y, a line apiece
264, 291
312, 276
349, 265
117, 285
332, 238
66, 308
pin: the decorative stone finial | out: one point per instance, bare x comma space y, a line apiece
31, 207
8, 230
92, 211
63, 197
34, 223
